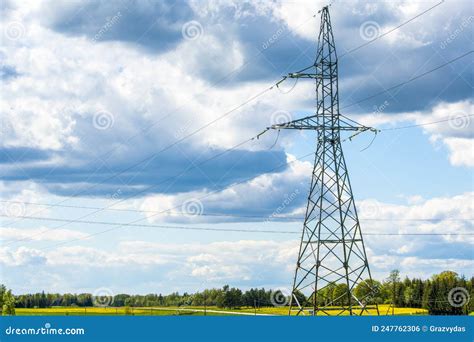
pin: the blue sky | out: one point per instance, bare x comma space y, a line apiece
117, 104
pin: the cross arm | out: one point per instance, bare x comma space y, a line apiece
308, 122
311, 123
300, 74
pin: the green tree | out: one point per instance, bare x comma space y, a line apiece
393, 281
447, 294
230, 298
3, 289
8, 308
447, 276
119, 300
369, 291
300, 297
408, 295
340, 295
417, 293
325, 296
470, 287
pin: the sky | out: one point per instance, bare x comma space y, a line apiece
120, 119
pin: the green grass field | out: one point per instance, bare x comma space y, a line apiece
190, 310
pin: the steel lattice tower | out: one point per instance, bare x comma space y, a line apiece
332, 259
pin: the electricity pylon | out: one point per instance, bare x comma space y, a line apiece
332, 260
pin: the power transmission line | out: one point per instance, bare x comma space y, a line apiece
111, 151
427, 123
150, 225
107, 223
225, 114
378, 36
202, 197
238, 145
144, 190
409, 80
119, 225
175, 207
266, 217
153, 124
274, 217
218, 155
391, 30
167, 147
249, 100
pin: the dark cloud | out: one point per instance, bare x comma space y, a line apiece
153, 25
7, 72
169, 172
271, 49
419, 46
22, 154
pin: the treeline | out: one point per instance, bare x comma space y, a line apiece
226, 297
443, 294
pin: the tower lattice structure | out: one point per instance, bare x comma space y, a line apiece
332, 259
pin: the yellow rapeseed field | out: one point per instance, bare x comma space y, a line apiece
195, 310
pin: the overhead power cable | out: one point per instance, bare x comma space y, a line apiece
348, 52
151, 157
150, 225
145, 190
409, 80
427, 123
242, 216
227, 113
215, 229
111, 151
170, 209
391, 30
100, 209
240, 144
